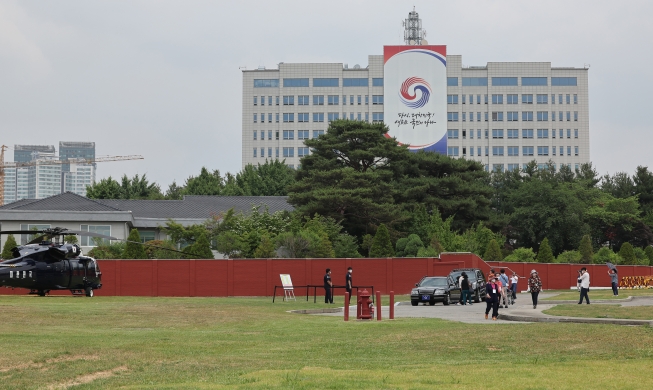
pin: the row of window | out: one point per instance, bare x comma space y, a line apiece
287, 152
512, 151
287, 134
513, 81
303, 117
318, 100
510, 133
514, 167
317, 82
526, 98
513, 116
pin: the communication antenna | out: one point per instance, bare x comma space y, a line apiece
413, 32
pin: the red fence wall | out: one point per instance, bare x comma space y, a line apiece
257, 277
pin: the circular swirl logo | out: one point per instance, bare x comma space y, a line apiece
408, 92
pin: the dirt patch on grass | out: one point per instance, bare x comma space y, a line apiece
88, 378
60, 359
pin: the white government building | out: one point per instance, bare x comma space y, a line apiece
503, 114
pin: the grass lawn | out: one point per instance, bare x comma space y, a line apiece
250, 343
603, 311
599, 294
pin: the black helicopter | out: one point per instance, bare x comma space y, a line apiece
48, 263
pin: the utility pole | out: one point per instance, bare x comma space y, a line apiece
2, 174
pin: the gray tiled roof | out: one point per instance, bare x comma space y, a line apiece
61, 202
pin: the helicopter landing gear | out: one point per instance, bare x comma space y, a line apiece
89, 292
41, 293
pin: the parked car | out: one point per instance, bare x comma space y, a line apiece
476, 279
432, 289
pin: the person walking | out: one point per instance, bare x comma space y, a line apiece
535, 286
348, 283
513, 285
584, 281
465, 290
459, 282
492, 298
503, 278
614, 280
328, 291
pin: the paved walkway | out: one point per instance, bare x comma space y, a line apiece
521, 312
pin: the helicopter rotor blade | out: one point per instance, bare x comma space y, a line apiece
89, 234
39, 239
22, 231
162, 247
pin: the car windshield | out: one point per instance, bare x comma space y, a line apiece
470, 274
434, 282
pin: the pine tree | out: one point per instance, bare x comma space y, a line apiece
381, 245
585, 250
627, 254
545, 254
133, 249
265, 249
9, 245
493, 252
202, 247
649, 253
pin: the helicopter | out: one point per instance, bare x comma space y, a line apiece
48, 263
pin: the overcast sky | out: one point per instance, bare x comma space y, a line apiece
162, 78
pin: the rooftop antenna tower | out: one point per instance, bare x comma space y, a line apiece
413, 32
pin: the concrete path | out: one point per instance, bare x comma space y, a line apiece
521, 312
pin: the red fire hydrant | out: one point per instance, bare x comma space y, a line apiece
365, 306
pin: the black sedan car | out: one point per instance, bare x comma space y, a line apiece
432, 289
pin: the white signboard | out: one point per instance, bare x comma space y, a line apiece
415, 96
286, 282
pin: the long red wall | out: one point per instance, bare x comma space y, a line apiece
257, 277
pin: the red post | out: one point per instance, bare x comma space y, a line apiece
358, 305
378, 305
392, 305
346, 306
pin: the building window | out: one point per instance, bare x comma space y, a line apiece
452, 117
497, 133
276, 135
464, 136
289, 83
255, 116
464, 116
255, 135
527, 116
377, 82
478, 133
288, 117
497, 150
504, 81
377, 100
564, 81
266, 83
513, 151
255, 99
318, 117
575, 150
486, 115
367, 100
486, 100
497, 99
377, 117
486, 134
497, 167
568, 116
553, 150
270, 134
497, 116
527, 151
473, 82
562, 150
254, 153
513, 133
568, 98
302, 134
302, 100
527, 99
575, 133
302, 117
269, 100
464, 100
332, 116
527, 133
367, 117
471, 151
317, 133
487, 150
560, 116
478, 99
575, 116
89, 241
359, 99
542, 133
359, 116
289, 152
288, 100
270, 152
276, 152
452, 99
452, 134
263, 152
344, 100
351, 100
288, 134
542, 116
302, 151
326, 82
542, 150
568, 150
471, 117
553, 116
513, 99
525, 81
318, 100
478, 150
452, 151
357, 82
333, 100
452, 81
575, 99
513, 116
542, 99
513, 167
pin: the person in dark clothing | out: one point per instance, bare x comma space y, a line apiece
328, 292
492, 298
535, 286
348, 283
614, 280
465, 290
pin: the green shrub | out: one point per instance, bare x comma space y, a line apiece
545, 254
570, 257
605, 254
381, 245
522, 255
627, 254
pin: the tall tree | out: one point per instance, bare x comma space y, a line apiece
627, 254
270, 179
207, 183
643, 180
138, 187
10, 244
201, 247
649, 253
133, 248
105, 189
493, 252
585, 250
381, 245
545, 255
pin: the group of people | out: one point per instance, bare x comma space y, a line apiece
328, 285
497, 290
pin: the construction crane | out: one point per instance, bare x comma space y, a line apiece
54, 162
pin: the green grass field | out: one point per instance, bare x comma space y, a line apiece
603, 311
599, 294
250, 343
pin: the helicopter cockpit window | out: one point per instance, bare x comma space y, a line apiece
25, 238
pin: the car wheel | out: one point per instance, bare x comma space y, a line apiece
477, 298
414, 303
431, 302
89, 292
447, 300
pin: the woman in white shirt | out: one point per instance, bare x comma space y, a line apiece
584, 281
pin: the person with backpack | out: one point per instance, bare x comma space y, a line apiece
535, 286
465, 290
